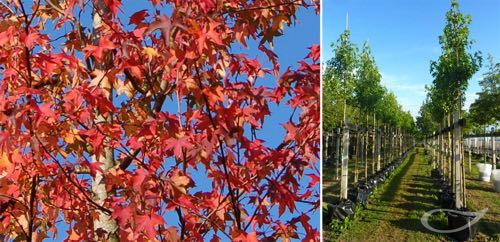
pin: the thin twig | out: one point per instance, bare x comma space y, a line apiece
7, 7
234, 201
84, 193
296, 3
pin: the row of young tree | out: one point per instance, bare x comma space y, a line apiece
355, 101
441, 118
352, 91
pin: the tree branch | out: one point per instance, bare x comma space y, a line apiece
156, 109
84, 193
32, 207
134, 81
296, 2
234, 201
7, 7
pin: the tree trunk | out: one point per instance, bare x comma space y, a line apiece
440, 151
367, 136
484, 145
400, 142
384, 146
104, 224
493, 153
451, 164
358, 153
470, 157
392, 145
337, 153
457, 160
433, 147
326, 155
375, 157
345, 163
363, 154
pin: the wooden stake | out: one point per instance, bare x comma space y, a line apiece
457, 161
345, 163
493, 153
337, 153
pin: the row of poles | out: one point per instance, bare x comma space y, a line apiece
447, 146
448, 149
351, 142
484, 145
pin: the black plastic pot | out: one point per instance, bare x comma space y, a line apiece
446, 199
379, 178
343, 209
372, 182
359, 194
352, 193
457, 220
328, 213
435, 173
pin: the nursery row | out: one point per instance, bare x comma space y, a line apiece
447, 149
358, 194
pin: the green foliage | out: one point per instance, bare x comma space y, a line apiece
388, 108
337, 226
343, 68
356, 81
455, 66
486, 109
368, 91
338, 81
426, 125
451, 72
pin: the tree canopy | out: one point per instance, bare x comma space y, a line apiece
485, 110
354, 79
339, 80
451, 72
143, 125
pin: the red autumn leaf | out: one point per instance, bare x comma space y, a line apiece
252, 237
315, 52
138, 179
123, 215
114, 5
215, 238
98, 51
182, 144
138, 17
178, 145
207, 5
148, 224
165, 24
209, 32
314, 180
32, 39
94, 167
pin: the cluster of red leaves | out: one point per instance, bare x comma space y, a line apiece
57, 115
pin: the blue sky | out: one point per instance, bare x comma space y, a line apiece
403, 35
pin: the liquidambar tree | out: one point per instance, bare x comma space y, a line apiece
144, 126
451, 73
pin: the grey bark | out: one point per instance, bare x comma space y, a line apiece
104, 224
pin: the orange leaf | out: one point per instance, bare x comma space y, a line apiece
5, 161
74, 236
